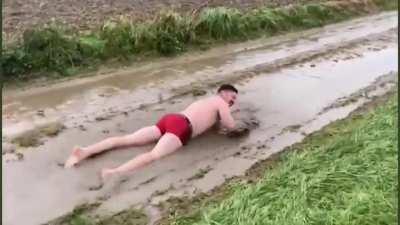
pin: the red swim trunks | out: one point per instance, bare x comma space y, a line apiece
176, 124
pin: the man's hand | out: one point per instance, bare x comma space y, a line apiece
243, 127
223, 131
240, 130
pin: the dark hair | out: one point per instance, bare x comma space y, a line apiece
227, 87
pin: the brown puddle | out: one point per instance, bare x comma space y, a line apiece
291, 96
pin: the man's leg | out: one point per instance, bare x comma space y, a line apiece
168, 144
140, 137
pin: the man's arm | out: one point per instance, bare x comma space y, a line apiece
226, 117
230, 127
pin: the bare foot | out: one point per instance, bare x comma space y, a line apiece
74, 158
106, 173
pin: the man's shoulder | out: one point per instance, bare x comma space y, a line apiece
207, 99
213, 101
216, 100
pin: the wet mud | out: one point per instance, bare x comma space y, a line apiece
285, 94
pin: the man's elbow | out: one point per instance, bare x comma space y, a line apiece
230, 126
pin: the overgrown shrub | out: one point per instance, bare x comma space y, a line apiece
92, 46
268, 20
220, 23
49, 48
172, 33
119, 39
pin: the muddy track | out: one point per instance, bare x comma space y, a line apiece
293, 87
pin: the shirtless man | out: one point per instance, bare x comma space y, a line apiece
172, 132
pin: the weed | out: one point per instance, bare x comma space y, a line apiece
119, 39
220, 23
172, 33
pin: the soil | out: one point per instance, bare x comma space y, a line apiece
20, 15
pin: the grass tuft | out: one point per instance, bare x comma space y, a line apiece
220, 23
172, 33
119, 39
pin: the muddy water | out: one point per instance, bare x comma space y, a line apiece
301, 97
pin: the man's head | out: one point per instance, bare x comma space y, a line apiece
228, 93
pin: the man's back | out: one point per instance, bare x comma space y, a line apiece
204, 113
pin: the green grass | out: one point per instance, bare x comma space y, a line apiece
55, 50
80, 216
220, 23
387, 5
346, 174
76, 217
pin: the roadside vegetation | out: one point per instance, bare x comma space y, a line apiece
54, 51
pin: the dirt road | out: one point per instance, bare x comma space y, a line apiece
293, 84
